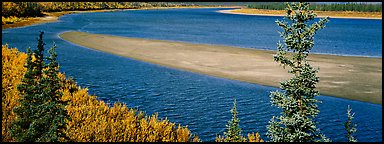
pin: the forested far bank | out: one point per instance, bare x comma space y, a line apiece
352, 6
13, 12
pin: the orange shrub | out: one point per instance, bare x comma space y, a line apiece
12, 72
253, 137
10, 20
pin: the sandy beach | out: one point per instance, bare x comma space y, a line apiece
356, 78
331, 14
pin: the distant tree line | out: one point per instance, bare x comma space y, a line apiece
33, 9
361, 7
21, 9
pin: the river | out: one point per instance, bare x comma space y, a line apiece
199, 101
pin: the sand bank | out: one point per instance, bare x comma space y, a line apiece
331, 14
357, 78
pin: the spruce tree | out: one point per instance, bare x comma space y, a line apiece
296, 101
233, 133
29, 100
55, 105
41, 114
349, 127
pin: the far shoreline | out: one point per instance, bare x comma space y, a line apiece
260, 12
54, 16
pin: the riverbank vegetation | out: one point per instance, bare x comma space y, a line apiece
333, 10
350, 6
29, 87
13, 12
40, 98
89, 120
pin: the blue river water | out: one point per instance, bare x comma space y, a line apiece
199, 101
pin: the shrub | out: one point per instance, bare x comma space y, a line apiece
11, 20
12, 72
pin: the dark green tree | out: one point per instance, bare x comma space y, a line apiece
296, 101
233, 133
41, 114
55, 106
29, 100
349, 126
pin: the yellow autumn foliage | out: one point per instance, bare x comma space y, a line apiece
10, 20
12, 72
91, 120
253, 137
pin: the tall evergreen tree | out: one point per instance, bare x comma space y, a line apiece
349, 126
29, 100
296, 124
55, 106
41, 114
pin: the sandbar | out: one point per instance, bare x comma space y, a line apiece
350, 77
